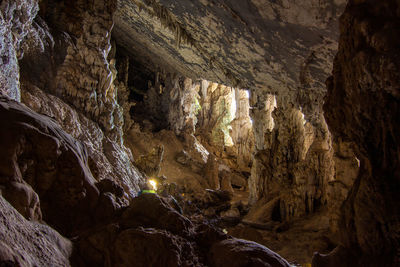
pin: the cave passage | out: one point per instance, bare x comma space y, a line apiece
199, 133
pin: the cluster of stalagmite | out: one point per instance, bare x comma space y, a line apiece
89, 113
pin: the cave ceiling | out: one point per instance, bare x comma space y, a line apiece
273, 45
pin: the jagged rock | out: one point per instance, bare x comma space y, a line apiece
16, 20
150, 163
362, 106
107, 159
52, 59
37, 154
242, 131
29, 243
293, 160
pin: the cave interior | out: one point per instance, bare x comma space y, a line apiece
200, 133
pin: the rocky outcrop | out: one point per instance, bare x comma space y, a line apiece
150, 232
16, 19
346, 171
217, 112
82, 100
362, 106
29, 243
107, 158
242, 130
45, 172
150, 163
224, 125
71, 59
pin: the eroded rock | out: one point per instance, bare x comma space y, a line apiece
152, 232
29, 243
363, 107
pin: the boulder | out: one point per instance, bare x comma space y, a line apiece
240, 253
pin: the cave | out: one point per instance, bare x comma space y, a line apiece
200, 133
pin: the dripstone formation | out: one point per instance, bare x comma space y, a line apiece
272, 121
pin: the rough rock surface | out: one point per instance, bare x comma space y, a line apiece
29, 243
107, 158
150, 232
346, 172
16, 19
72, 59
45, 171
293, 161
363, 107
150, 163
256, 44
233, 252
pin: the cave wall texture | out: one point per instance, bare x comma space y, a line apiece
64, 162
363, 106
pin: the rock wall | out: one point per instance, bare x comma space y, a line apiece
45, 171
107, 159
73, 62
363, 107
67, 73
29, 243
338, 189
16, 20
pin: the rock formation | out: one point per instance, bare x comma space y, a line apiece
231, 96
363, 107
29, 243
16, 20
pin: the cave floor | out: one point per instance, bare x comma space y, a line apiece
296, 241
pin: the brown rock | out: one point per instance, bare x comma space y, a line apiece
362, 106
37, 151
150, 232
241, 253
23, 199
28, 243
149, 210
211, 172
226, 184
150, 163
151, 247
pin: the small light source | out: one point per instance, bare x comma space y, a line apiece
153, 184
